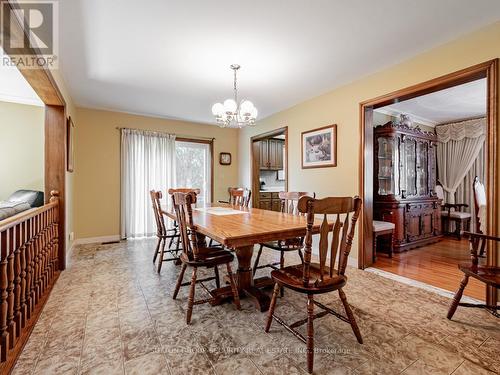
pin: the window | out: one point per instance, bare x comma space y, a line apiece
194, 167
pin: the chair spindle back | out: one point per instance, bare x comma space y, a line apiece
239, 196
290, 201
342, 233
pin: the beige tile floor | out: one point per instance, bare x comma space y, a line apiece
111, 313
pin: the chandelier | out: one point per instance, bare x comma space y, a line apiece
234, 114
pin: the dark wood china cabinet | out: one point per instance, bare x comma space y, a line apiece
404, 181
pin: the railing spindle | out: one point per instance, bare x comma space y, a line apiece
17, 278
10, 287
4, 346
23, 310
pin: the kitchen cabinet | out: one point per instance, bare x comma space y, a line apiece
271, 154
269, 201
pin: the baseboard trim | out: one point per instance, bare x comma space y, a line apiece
91, 240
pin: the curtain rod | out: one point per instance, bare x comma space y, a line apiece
177, 135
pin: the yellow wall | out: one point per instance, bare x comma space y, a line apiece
21, 148
97, 168
341, 107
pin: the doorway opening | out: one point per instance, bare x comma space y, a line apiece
269, 158
411, 181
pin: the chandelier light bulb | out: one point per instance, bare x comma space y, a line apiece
246, 107
217, 109
230, 105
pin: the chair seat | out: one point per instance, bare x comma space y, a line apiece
379, 226
285, 245
487, 274
291, 277
456, 215
209, 257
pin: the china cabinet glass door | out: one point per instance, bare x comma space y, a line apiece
387, 173
409, 166
422, 164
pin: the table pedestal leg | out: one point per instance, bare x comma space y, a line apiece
244, 282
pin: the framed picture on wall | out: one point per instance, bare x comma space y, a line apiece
70, 152
319, 147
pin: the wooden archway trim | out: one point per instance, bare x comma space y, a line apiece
40, 79
488, 70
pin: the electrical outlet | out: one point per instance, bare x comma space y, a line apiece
71, 236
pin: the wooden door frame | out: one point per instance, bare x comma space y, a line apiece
254, 165
45, 86
488, 70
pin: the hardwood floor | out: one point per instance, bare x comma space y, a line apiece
435, 264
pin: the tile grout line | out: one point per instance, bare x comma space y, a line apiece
461, 363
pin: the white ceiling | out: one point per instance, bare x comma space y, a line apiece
14, 88
171, 58
456, 103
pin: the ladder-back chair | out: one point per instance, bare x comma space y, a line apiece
196, 254
318, 278
163, 233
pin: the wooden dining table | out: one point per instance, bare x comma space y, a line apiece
240, 228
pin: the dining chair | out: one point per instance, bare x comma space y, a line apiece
452, 212
163, 233
196, 254
318, 278
237, 197
490, 275
289, 205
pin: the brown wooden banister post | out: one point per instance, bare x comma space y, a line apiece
59, 251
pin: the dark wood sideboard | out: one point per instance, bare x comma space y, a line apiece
404, 183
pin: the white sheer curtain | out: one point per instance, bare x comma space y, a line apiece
459, 145
147, 163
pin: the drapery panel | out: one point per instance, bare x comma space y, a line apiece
459, 145
147, 163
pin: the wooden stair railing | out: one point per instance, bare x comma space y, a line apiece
29, 249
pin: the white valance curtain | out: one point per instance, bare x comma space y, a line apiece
147, 163
459, 146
